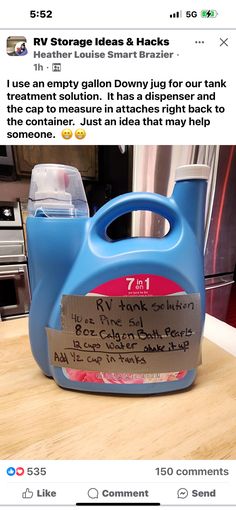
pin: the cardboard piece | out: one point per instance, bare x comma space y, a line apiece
128, 334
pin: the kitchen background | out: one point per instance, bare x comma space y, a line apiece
108, 171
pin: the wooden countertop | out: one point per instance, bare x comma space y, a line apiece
39, 420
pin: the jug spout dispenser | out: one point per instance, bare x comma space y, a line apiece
56, 229
190, 195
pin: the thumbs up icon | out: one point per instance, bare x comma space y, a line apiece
27, 494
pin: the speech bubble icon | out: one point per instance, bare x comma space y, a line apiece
182, 493
93, 493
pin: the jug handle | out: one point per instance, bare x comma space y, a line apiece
135, 201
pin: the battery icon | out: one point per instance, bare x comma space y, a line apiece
210, 13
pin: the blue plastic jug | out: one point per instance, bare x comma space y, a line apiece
73, 256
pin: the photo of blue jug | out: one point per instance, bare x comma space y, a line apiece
71, 254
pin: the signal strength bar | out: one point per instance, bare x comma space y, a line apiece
177, 14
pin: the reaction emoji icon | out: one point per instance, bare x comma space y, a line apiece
66, 134
11, 471
20, 471
80, 134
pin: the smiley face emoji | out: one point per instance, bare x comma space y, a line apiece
80, 134
66, 134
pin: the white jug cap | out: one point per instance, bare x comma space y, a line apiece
187, 172
57, 190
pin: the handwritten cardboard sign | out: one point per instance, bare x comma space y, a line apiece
128, 334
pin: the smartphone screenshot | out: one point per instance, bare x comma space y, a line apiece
117, 255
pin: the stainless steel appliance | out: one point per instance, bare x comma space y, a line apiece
7, 166
220, 254
154, 168
14, 281
6, 155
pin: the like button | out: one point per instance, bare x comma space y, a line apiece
28, 494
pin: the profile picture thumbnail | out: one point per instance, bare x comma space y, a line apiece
16, 46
